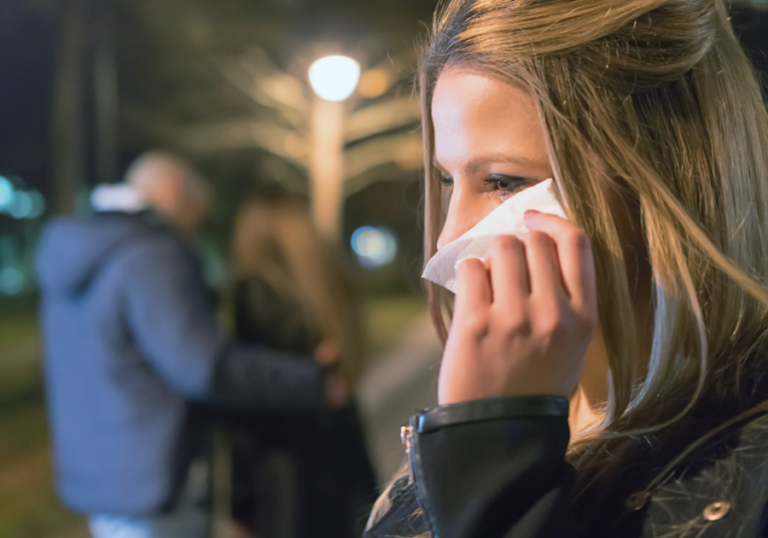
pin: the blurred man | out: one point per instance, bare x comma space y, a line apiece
131, 339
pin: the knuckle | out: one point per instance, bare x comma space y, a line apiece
579, 239
506, 243
539, 238
566, 326
555, 323
547, 323
468, 272
588, 321
468, 266
476, 323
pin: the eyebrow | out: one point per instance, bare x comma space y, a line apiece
474, 165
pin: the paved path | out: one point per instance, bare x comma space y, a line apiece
398, 383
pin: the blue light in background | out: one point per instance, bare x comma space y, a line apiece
38, 205
18, 203
374, 247
11, 281
6, 193
22, 205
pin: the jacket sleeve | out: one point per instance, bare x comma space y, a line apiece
173, 322
494, 468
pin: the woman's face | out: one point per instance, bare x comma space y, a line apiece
489, 145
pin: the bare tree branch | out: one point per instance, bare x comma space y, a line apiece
282, 142
404, 149
382, 117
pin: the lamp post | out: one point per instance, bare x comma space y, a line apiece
333, 79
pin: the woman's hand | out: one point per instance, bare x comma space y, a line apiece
327, 353
522, 320
338, 389
338, 392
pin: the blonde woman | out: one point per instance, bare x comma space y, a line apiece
312, 472
605, 375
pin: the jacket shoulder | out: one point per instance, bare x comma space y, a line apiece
726, 494
153, 248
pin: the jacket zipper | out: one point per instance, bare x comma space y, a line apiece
406, 436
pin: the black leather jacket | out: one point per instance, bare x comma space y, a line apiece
496, 468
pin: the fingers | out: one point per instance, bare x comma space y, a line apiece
337, 390
574, 252
327, 352
553, 261
474, 287
524, 265
509, 271
543, 265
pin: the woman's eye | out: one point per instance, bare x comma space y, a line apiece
446, 181
508, 184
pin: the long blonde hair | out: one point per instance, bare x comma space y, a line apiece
655, 101
275, 240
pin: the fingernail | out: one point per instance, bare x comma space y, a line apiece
531, 212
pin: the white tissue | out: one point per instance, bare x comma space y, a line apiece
506, 219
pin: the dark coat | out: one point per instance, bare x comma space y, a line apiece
496, 468
333, 484
130, 339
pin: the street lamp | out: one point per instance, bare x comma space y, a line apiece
333, 79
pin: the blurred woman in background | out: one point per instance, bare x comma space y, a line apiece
311, 472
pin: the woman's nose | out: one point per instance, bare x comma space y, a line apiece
462, 215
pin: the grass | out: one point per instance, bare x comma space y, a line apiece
28, 504
17, 330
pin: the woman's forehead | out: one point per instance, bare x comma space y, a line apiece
480, 117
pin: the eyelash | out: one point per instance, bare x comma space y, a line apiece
514, 183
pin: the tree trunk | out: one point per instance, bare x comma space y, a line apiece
106, 97
68, 117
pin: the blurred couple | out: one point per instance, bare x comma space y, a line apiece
138, 370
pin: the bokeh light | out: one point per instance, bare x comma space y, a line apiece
22, 205
374, 247
334, 78
6, 193
373, 83
38, 205
11, 280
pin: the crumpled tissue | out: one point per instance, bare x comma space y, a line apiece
506, 219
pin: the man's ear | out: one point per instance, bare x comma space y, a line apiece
177, 187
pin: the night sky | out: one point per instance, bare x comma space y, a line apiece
27, 46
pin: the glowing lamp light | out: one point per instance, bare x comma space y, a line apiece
374, 247
334, 78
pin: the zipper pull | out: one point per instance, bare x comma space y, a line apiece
406, 437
